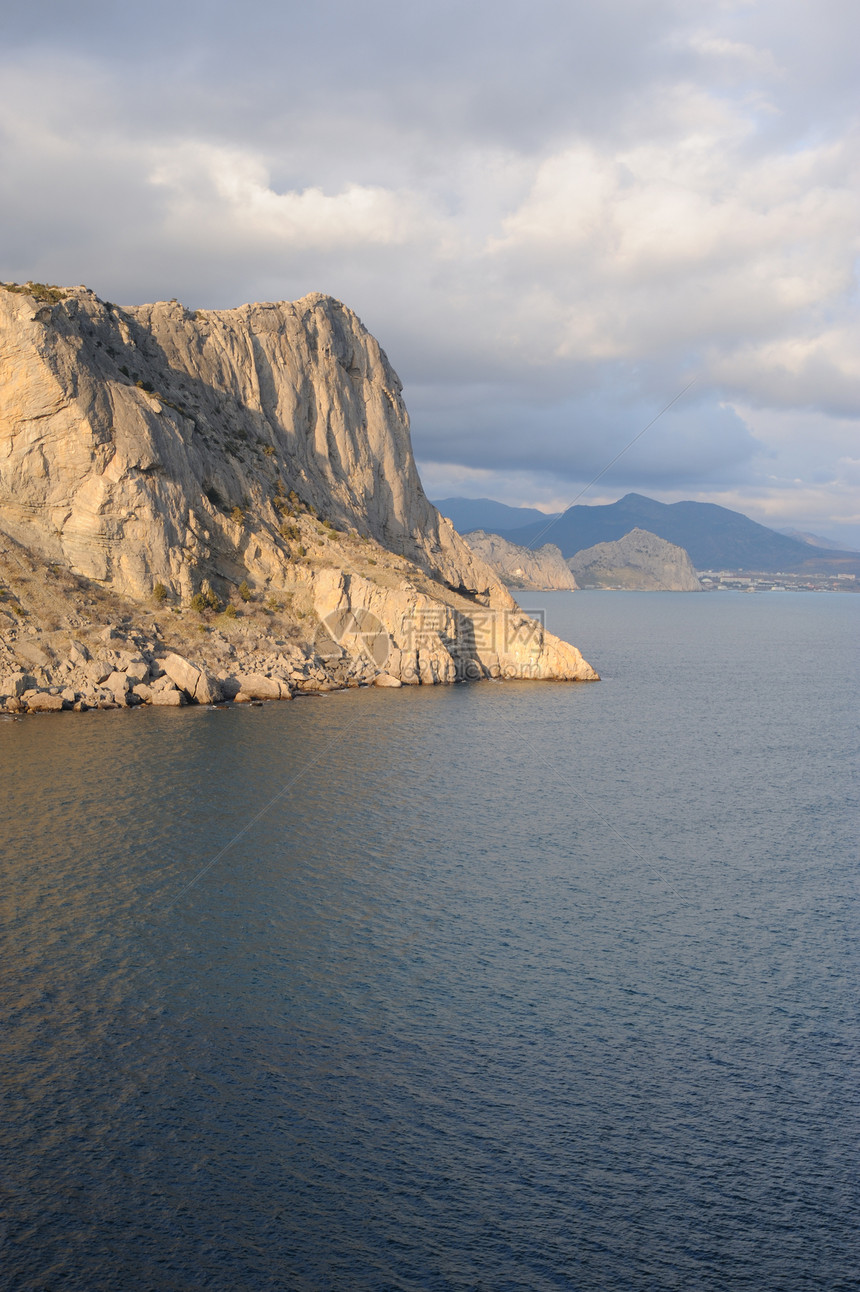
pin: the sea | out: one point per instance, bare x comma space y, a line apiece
498, 986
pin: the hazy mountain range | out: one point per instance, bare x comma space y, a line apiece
715, 537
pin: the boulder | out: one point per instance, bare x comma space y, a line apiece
117, 684
167, 698
17, 683
255, 686
31, 652
199, 684
44, 702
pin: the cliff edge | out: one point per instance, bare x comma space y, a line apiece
244, 471
541, 570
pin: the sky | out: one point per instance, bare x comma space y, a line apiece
554, 216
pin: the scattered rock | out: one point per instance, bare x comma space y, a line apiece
43, 702
254, 686
171, 698
198, 684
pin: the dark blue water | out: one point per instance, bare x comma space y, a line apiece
521, 986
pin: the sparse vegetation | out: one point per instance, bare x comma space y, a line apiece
159, 594
46, 292
290, 531
269, 450
238, 515
205, 600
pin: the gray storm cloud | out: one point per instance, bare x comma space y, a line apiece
551, 215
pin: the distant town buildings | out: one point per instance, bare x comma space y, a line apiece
781, 581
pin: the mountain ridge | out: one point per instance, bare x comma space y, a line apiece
715, 537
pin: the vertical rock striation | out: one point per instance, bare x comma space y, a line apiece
157, 450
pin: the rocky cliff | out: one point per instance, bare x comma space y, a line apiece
247, 477
638, 562
520, 567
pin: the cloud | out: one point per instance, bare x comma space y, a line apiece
226, 193
550, 216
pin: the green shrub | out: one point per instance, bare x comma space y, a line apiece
198, 602
238, 515
244, 591
47, 292
231, 612
269, 450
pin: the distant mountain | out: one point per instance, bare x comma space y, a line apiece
715, 537
468, 514
814, 540
520, 567
640, 562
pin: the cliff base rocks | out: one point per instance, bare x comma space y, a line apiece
224, 505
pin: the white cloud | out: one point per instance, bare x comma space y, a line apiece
549, 223
700, 242
229, 192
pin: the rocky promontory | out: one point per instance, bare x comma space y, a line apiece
639, 562
225, 505
541, 570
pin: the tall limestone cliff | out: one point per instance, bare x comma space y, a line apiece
242, 460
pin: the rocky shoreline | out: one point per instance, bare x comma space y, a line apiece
224, 506
127, 669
